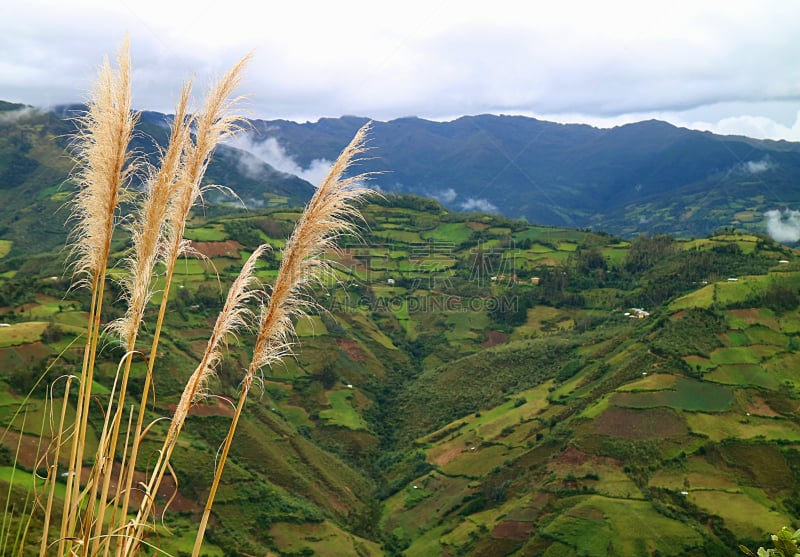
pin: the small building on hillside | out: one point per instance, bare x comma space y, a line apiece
637, 313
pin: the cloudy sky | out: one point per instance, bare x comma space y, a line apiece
727, 66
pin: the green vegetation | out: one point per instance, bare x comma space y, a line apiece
475, 385
523, 411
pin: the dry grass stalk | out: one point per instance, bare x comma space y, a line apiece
157, 234
103, 164
216, 122
178, 188
233, 318
329, 214
104, 169
148, 237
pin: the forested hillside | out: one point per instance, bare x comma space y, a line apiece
475, 386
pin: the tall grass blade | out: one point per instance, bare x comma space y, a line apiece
103, 170
329, 214
233, 317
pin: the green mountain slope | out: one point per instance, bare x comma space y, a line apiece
646, 177
35, 166
477, 386
643, 177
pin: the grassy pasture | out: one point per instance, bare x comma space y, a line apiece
370, 328
695, 474
192, 266
474, 429
744, 374
653, 382
539, 318
718, 427
734, 355
21, 333
760, 334
296, 415
323, 539
597, 526
686, 394
784, 367
341, 412
615, 255
208, 233
455, 232
310, 326
481, 461
550, 235
439, 494
790, 322
741, 512
537, 249
177, 538
401, 236
602, 475
463, 325
735, 338
735, 292
427, 543
35, 413
701, 298
290, 216
5, 247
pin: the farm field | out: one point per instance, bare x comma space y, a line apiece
431, 410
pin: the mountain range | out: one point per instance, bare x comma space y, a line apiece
644, 178
476, 385
647, 177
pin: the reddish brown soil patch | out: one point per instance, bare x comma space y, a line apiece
347, 259
572, 456
352, 349
747, 314
640, 424
30, 456
33, 351
228, 248
27, 450
495, 338
475, 225
753, 315
446, 456
513, 530
573, 460
759, 407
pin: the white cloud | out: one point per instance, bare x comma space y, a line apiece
614, 61
783, 226
478, 204
270, 151
757, 167
10, 116
444, 196
760, 127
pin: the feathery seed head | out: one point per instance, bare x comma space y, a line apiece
103, 165
216, 121
329, 214
235, 316
148, 228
